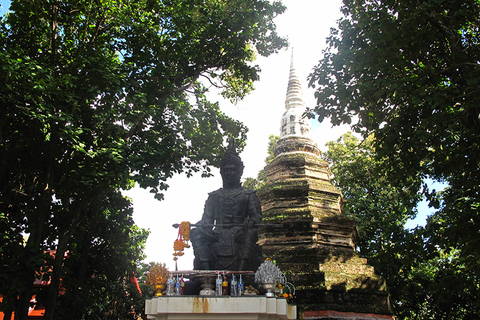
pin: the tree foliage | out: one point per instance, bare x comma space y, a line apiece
102, 260
368, 196
424, 281
97, 95
409, 72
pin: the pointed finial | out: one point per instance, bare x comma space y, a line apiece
292, 66
293, 121
294, 97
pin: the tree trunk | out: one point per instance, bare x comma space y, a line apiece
10, 305
52, 292
31, 254
23, 302
77, 216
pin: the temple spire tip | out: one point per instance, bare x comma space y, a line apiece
292, 65
293, 121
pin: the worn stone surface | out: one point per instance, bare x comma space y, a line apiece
316, 246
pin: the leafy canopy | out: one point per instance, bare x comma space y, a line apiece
409, 72
97, 95
424, 281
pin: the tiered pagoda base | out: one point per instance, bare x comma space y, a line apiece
316, 246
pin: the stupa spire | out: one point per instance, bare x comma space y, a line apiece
293, 121
294, 98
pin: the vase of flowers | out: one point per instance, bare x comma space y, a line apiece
269, 276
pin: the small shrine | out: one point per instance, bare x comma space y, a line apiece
221, 294
316, 246
229, 280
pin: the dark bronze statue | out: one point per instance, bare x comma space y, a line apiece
225, 238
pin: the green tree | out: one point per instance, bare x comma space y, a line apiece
423, 280
409, 72
380, 208
102, 260
380, 211
96, 95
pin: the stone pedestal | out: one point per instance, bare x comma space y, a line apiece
219, 308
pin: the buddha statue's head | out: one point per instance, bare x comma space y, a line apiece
231, 167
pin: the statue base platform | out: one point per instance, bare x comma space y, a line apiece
219, 308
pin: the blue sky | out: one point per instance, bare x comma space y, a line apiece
4, 5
